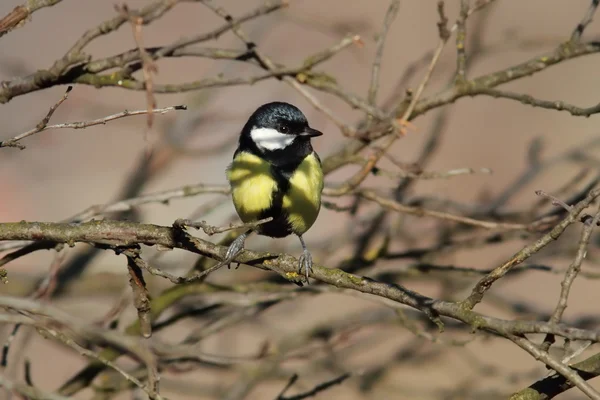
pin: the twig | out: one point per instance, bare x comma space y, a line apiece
76, 57
444, 36
553, 385
314, 391
42, 125
29, 392
148, 13
119, 206
585, 21
159, 197
44, 291
486, 282
529, 100
58, 335
48, 285
461, 36
6, 347
585, 218
356, 179
534, 170
59, 318
140, 292
390, 16
570, 275
20, 14
213, 230
421, 212
451, 173
149, 67
85, 124
268, 65
558, 366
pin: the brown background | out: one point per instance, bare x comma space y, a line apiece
65, 171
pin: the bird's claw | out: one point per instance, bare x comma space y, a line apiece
305, 263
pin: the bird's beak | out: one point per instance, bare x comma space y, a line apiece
310, 132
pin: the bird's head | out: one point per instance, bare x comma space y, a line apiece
276, 126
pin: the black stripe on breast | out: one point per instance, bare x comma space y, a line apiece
279, 226
283, 164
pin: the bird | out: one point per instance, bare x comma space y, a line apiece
275, 173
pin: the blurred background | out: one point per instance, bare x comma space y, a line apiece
63, 172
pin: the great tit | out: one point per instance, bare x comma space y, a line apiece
276, 174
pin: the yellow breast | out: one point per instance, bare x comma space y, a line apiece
252, 185
302, 201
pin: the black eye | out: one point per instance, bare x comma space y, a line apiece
284, 129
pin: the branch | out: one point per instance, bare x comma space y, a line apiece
118, 234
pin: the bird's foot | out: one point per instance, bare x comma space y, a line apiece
305, 263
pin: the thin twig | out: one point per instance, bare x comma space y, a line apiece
269, 65
314, 391
486, 282
213, 230
13, 142
570, 275
444, 36
140, 292
390, 16
532, 101
461, 37
421, 212
585, 21
20, 14
42, 125
58, 335
149, 67
29, 392
556, 365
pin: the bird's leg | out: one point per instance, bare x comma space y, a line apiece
305, 261
235, 248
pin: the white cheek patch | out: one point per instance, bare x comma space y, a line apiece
270, 139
